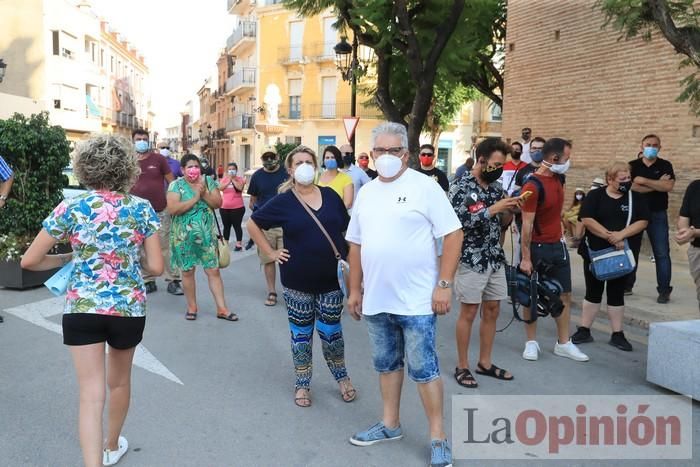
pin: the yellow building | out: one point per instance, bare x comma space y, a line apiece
284, 83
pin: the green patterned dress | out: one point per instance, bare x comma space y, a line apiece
192, 237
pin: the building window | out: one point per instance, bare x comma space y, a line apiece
111, 64
102, 58
57, 103
496, 115
292, 140
295, 107
56, 47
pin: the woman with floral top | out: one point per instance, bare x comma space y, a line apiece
191, 200
105, 301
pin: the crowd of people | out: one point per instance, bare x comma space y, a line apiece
137, 221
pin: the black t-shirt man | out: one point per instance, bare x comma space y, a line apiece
657, 200
263, 185
612, 214
437, 175
691, 207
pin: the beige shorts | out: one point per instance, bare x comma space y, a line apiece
274, 238
474, 287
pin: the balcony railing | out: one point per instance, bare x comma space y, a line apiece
241, 78
322, 51
291, 113
341, 109
245, 30
290, 55
127, 121
240, 122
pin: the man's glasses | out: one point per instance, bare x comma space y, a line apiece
426, 154
395, 151
364, 158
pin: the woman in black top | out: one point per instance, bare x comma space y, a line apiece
308, 268
604, 213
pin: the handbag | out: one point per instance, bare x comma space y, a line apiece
343, 268
611, 263
222, 250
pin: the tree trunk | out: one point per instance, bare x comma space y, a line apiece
435, 137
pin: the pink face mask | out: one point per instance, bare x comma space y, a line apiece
193, 173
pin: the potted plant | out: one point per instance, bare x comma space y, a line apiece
37, 153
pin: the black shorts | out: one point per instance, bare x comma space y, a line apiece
90, 328
556, 255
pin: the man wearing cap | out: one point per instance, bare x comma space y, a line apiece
359, 177
263, 187
427, 167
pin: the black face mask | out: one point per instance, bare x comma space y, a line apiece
270, 164
516, 155
348, 158
624, 187
491, 174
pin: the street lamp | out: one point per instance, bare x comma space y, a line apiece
350, 68
3, 67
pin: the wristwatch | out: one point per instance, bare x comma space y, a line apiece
443, 284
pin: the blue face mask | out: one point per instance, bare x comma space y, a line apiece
537, 156
141, 146
331, 164
650, 152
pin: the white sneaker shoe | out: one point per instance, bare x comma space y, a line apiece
569, 350
532, 350
112, 457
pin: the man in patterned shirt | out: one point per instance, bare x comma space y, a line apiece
478, 199
6, 178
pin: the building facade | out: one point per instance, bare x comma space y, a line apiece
64, 59
284, 83
567, 76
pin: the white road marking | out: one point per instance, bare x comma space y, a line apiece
38, 313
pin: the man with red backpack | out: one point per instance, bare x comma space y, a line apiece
542, 242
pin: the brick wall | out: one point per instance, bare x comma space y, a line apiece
565, 76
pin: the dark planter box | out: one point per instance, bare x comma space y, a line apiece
12, 276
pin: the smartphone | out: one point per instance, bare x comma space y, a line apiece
525, 195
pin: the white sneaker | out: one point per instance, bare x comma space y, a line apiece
569, 350
532, 349
112, 457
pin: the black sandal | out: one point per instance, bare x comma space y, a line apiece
493, 372
271, 299
305, 401
228, 317
191, 315
464, 376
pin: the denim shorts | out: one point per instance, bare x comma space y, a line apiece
394, 336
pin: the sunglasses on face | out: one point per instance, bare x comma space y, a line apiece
364, 158
426, 154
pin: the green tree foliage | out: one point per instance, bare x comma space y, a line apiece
419, 43
448, 99
37, 153
283, 149
677, 20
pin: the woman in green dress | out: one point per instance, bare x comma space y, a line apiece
191, 200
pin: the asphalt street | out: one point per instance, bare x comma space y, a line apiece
234, 406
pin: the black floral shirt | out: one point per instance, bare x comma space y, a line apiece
481, 248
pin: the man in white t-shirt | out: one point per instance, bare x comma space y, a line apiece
395, 222
526, 135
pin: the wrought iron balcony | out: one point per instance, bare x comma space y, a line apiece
242, 78
246, 30
240, 122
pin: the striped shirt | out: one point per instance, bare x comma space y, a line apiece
5, 171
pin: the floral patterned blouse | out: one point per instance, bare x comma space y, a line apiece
106, 230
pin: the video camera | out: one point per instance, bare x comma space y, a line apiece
536, 288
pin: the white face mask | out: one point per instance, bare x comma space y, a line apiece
388, 165
579, 197
232, 172
165, 152
558, 168
304, 174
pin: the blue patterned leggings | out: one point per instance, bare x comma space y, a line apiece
325, 309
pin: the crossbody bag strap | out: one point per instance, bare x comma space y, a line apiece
318, 222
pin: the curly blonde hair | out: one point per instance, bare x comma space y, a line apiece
106, 162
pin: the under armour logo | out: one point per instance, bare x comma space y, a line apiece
402, 199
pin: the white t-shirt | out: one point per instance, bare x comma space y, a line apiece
525, 157
397, 224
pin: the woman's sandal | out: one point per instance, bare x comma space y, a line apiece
348, 393
493, 372
190, 315
464, 376
227, 316
304, 401
271, 299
